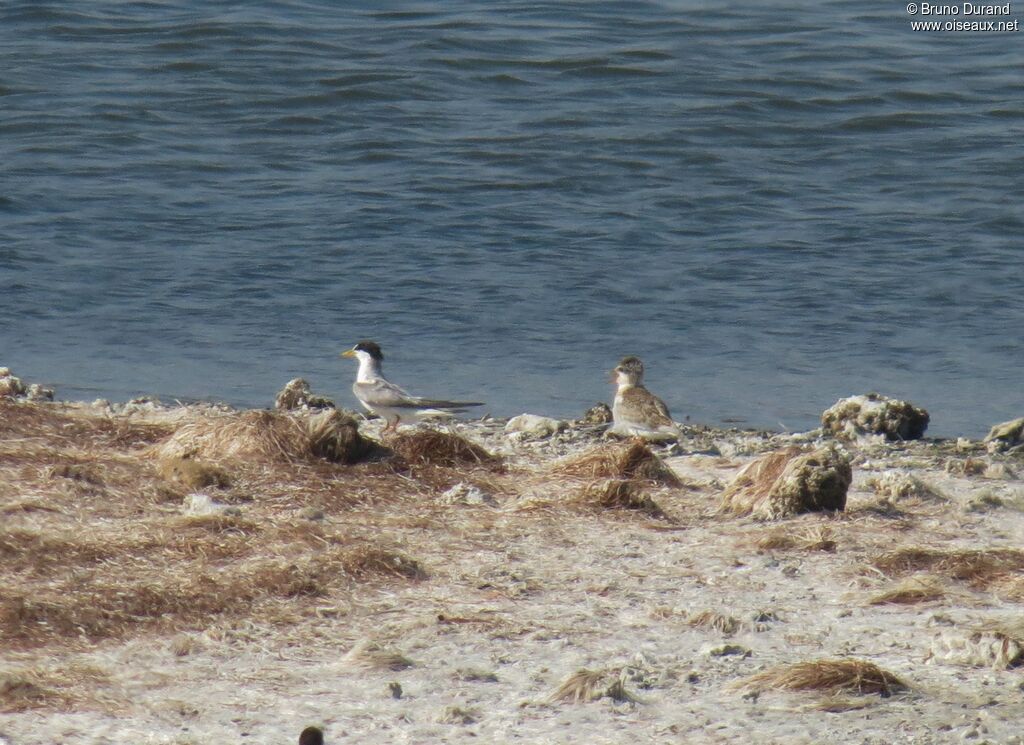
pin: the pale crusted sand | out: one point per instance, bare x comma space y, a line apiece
526, 587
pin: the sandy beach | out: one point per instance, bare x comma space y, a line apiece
197, 574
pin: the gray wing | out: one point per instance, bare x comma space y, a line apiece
382, 393
388, 395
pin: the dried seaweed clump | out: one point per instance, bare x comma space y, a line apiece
999, 646
434, 448
335, 437
788, 482
12, 387
634, 460
827, 676
599, 413
266, 436
875, 414
586, 685
978, 568
1006, 435
620, 494
900, 485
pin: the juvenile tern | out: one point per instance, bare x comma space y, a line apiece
637, 411
382, 397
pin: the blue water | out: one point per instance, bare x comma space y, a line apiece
774, 205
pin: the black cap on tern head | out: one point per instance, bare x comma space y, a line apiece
312, 736
371, 348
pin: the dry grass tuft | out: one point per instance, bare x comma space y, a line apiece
582, 686
26, 689
633, 461
74, 429
909, 591
978, 568
93, 551
828, 676
370, 561
256, 435
192, 474
813, 539
1009, 588
839, 704
429, 447
619, 494
33, 551
586, 685
719, 622
267, 436
757, 478
219, 523
81, 472
453, 714
185, 644
112, 604
373, 656
27, 506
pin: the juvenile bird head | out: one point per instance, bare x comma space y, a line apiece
629, 371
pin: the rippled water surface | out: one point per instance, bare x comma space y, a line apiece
774, 205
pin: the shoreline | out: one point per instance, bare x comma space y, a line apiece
943, 426
453, 585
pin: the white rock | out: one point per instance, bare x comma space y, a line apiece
198, 504
534, 425
36, 392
